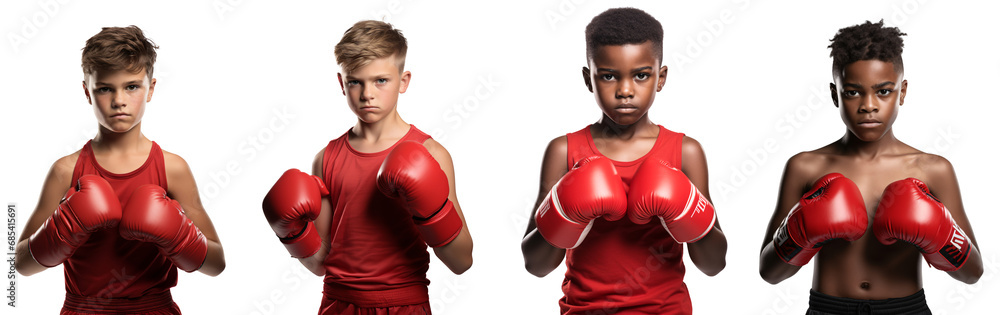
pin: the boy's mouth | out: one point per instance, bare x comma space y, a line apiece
869, 123
626, 108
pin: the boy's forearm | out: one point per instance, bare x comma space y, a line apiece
215, 260
23, 262
973, 268
540, 257
457, 254
709, 253
314, 263
772, 268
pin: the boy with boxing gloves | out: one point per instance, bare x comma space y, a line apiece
378, 195
624, 166
106, 212
868, 178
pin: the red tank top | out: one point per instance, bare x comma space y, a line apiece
107, 265
623, 266
376, 258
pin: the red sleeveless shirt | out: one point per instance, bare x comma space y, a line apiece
622, 266
109, 272
376, 258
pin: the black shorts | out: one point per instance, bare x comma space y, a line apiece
822, 304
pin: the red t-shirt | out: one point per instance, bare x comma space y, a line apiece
109, 269
623, 266
376, 258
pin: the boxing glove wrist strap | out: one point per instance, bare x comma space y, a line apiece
790, 251
440, 228
305, 244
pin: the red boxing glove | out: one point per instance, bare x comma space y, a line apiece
413, 177
151, 216
291, 206
833, 209
590, 190
659, 190
909, 213
89, 206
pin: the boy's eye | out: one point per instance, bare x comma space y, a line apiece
884, 92
132, 87
352, 82
642, 76
382, 81
103, 90
607, 77
851, 93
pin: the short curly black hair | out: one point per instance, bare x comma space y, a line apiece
623, 26
868, 41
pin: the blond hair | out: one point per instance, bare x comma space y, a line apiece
367, 41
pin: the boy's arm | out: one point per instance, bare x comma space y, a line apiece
943, 184
457, 254
540, 257
793, 184
182, 188
57, 182
323, 224
708, 253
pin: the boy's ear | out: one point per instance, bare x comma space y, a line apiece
661, 78
87, 92
586, 79
902, 93
152, 85
404, 82
833, 95
341, 80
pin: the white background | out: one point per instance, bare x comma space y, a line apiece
742, 74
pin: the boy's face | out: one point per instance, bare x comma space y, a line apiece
118, 97
373, 89
868, 93
624, 80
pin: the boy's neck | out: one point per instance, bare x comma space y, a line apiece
388, 126
607, 128
129, 141
852, 145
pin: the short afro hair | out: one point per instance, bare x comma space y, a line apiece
624, 26
868, 41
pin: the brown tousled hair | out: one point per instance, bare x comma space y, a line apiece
119, 48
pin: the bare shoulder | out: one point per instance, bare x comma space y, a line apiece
437, 151
317, 164
62, 168
174, 163
807, 166
67, 163
557, 149
936, 168
932, 162
806, 160
691, 148
434, 147
554, 162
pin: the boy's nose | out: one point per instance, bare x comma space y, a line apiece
118, 100
367, 93
868, 105
624, 90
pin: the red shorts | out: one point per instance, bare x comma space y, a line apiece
152, 304
331, 306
